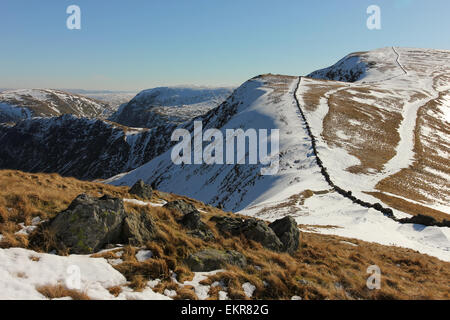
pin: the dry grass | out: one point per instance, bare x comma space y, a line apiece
368, 130
60, 291
322, 268
422, 181
186, 293
371, 132
115, 291
24, 196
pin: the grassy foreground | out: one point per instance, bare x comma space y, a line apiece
324, 267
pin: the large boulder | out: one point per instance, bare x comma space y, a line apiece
287, 231
212, 259
138, 229
259, 231
281, 235
197, 227
141, 190
228, 225
181, 206
89, 223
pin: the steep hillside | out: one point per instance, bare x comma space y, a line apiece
79, 147
369, 66
379, 138
156, 106
322, 267
21, 104
390, 138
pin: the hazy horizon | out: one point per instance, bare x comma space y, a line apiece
147, 44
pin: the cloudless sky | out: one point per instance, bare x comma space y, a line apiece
138, 44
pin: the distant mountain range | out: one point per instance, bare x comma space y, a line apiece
21, 104
152, 107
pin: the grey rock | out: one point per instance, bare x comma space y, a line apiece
138, 228
192, 220
142, 190
198, 228
287, 231
212, 259
228, 225
258, 231
89, 223
282, 235
180, 205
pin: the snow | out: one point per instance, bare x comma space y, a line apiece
144, 203
223, 295
25, 103
181, 95
14, 112
200, 290
269, 197
25, 230
143, 255
170, 293
248, 289
19, 275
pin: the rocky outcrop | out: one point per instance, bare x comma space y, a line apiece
287, 231
228, 225
196, 226
89, 224
181, 206
141, 190
212, 259
138, 228
191, 219
282, 235
259, 231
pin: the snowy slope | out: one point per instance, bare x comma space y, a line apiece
366, 135
79, 147
26, 103
371, 66
155, 106
389, 136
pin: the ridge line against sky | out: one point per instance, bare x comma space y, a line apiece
142, 44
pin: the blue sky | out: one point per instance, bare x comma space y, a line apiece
138, 44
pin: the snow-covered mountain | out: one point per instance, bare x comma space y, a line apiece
27, 103
155, 106
79, 147
382, 136
113, 98
370, 66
